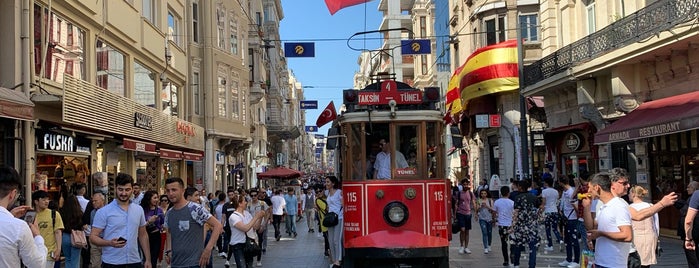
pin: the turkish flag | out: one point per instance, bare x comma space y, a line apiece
335, 5
327, 115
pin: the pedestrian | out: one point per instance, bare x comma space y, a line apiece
278, 205
164, 205
484, 216
227, 211
184, 223
72, 214
50, 226
611, 228
253, 208
80, 190
243, 226
137, 193
645, 232
322, 208
118, 225
308, 206
193, 195
291, 209
550, 197
465, 200
571, 232
218, 213
20, 240
620, 188
504, 208
268, 219
155, 217
97, 202
334, 200
683, 207
525, 226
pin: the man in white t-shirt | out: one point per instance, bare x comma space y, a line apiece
568, 205
278, 204
504, 207
611, 227
550, 200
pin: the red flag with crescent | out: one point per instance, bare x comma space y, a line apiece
335, 5
328, 115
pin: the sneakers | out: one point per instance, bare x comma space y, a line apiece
224, 255
259, 264
564, 263
227, 264
548, 248
573, 265
486, 250
295, 234
490, 249
461, 250
561, 242
468, 251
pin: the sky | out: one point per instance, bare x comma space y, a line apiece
334, 65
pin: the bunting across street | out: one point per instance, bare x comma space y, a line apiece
489, 70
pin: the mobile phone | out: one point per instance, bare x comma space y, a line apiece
30, 216
121, 239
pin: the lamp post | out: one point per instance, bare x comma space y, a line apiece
523, 130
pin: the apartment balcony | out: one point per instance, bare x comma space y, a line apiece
646, 23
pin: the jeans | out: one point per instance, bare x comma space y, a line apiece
487, 231
517, 252
211, 257
154, 242
551, 222
239, 256
291, 224
571, 239
71, 253
502, 231
583, 235
276, 222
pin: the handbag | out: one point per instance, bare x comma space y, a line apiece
78, 239
251, 247
455, 229
330, 219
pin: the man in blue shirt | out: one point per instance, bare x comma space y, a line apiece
122, 222
291, 211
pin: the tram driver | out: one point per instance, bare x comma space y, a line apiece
382, 165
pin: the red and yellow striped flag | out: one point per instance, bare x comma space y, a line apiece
453, 92
490, 70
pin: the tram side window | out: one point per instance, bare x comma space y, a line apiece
432, 154
355, 143
406, 148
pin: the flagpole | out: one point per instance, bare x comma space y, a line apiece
523, 129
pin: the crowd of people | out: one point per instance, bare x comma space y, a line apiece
182, 227
603, 219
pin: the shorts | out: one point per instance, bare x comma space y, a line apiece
464, 220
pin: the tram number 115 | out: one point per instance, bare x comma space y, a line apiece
351, 197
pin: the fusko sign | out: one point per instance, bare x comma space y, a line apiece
51, 141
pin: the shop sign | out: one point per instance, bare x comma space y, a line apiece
51, 141
139, 146
170, 154
389, 91
196, 157
573, 141
143, 121
220, 156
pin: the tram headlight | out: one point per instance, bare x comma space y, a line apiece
395, 213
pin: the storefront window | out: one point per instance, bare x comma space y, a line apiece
146, 174
64, 45
171, 168
576, 165
169, 97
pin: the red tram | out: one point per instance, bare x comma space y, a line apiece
402, 220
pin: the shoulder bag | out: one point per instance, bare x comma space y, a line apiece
251, 248
330, 219
78, 239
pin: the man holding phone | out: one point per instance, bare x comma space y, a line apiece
25, 237
122, 222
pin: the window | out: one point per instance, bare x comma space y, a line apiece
150, 11
529, 27
110, 68
234, 35
423, 27
590, 10
173, 27
221, 27
195, 22
494, 30
144, 85
235, 105
65, 52
196, 98
169, 97
221, 96
244, 114
258, 19
423, 64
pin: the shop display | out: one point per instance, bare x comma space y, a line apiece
53, 172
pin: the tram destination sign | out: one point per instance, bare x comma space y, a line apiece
389, 91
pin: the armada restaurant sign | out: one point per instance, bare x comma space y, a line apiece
643, 132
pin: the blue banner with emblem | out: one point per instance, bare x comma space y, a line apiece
308, 104
299, 50
320, 136
311, 129
415, 46
319, 150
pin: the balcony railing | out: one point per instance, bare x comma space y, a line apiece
657, 17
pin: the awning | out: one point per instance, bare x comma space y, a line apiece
170, 154
15, 104
196, 157
579, 126
139, 146
654, 118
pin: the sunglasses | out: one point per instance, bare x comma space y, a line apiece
164, 200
